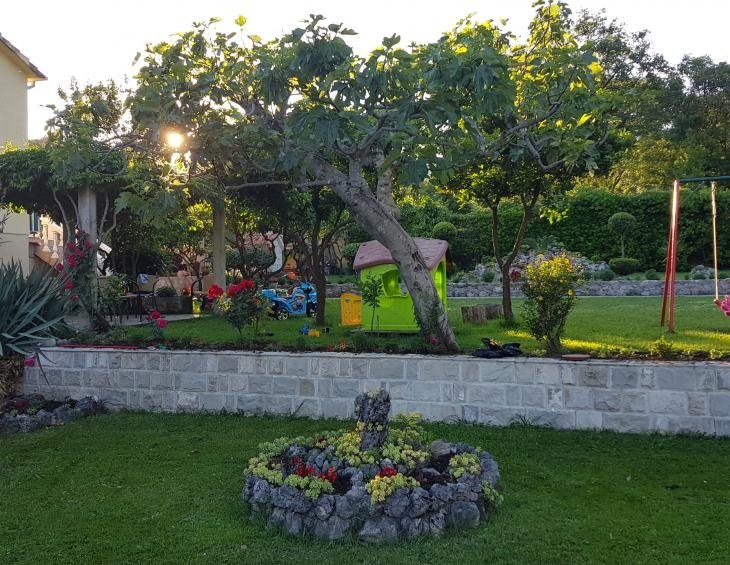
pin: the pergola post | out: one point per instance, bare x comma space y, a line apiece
219, 242
87, 213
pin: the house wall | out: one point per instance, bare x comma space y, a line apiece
13, 102
13, 128
14, 241
667, 397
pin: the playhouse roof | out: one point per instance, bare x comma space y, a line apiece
373, 253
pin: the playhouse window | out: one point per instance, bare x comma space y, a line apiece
391, 283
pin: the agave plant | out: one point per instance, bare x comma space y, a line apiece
32, 307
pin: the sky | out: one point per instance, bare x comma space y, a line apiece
95, 40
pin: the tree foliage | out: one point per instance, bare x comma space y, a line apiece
305, 110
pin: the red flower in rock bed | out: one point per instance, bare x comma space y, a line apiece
330, 475
303, 470
214, 292
388, 472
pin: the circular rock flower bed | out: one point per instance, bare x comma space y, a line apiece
379, 482
30, 412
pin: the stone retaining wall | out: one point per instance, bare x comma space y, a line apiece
671, 397
592, 288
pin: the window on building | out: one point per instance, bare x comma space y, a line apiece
35, 223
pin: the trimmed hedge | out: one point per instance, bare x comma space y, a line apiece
624, 265
584, 227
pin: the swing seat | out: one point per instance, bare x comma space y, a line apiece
724, 305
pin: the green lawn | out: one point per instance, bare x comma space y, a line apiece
142, 488
604, 326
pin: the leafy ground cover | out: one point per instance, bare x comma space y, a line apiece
602, 326
164, 488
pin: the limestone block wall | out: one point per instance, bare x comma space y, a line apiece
670, 397
591, 288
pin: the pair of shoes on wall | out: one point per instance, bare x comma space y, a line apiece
492, 350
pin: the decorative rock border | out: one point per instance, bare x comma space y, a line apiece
407, 513
437, 498
591, 288
67, 411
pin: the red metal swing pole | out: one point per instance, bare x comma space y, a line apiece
670, 274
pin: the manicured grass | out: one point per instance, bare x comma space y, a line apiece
604, 326
163, 488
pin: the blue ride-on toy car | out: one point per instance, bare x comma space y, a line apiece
301, 302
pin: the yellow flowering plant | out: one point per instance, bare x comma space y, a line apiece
464, 463
382, 486
549, 287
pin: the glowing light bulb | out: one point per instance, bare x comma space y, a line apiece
174, 140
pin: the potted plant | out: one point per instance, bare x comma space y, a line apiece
167, 301
33, 307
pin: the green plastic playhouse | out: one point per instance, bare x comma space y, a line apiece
396, 307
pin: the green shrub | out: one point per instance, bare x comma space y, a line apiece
699, 276
371, 288
349, 251
165, 292
111, 294
549, 288
624, 265
652, 275
662, 348
32, 309
445, 230
488, 276
604, 275
622, 223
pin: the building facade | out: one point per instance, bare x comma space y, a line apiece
26, 238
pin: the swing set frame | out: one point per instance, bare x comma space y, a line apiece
670, 275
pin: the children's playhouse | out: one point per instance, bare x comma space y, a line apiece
395, 313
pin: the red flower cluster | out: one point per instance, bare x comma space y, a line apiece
302, 470
75, 253
157, 319
242, 286
214, 292
388, 472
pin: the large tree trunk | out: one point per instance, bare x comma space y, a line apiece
380, 223
505, 263
219, 242
509, 316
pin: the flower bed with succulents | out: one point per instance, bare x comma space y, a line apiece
30, 412
379, 482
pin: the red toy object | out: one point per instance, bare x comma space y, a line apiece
724, 305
